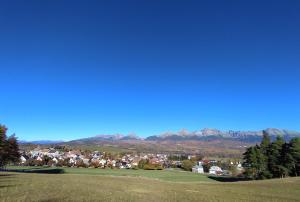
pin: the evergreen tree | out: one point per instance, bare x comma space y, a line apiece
264, 148
295, 154
254, 163
287, 159
274, 157
265, 143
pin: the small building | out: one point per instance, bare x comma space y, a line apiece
86, 161
39, 158
215, 170
23, 159
55, 160
71, 161
135, 161
198, 169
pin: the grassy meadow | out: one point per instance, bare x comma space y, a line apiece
139, 185
166, 175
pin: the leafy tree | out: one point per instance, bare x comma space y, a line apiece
187, 165
142, 163
150, 166
46, 159
9, 149
95, 164
60, 163
13, 149
206, 167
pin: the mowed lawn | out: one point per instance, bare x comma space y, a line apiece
82, 187
167, 175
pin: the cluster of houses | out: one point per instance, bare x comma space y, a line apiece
75, 158
214, 169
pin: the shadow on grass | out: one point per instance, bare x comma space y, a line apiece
5, 186
227, 178
6, 175
38, 170
48, 171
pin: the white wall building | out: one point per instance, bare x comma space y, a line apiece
214, 170
197, 169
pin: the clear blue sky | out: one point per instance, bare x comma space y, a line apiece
72, 69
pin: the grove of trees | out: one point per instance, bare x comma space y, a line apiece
275, 159
9, 148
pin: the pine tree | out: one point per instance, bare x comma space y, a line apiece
248, 164
265, 143
264, 148
274, 158
287, 159
295, 153
254, 163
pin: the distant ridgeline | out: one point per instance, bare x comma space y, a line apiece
201, 135
207, 142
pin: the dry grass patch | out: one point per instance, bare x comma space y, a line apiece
63, 187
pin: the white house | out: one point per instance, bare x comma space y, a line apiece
102, 162
39, 158
239, 166
113, 162
71, 161
215, 170
23, 159
197, 169
55, 160
86, 161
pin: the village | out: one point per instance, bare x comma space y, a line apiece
96, 159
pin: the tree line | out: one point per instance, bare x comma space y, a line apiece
9, 148
277, 159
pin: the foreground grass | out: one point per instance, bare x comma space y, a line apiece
167, 175
75, 187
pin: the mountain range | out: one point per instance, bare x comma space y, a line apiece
204, 134
208, 142
184, 134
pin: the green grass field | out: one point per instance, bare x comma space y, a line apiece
167, 175
139, 185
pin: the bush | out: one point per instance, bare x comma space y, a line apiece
135, 168
142, 163
187, 165
60, 163
95, 164
153, 167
